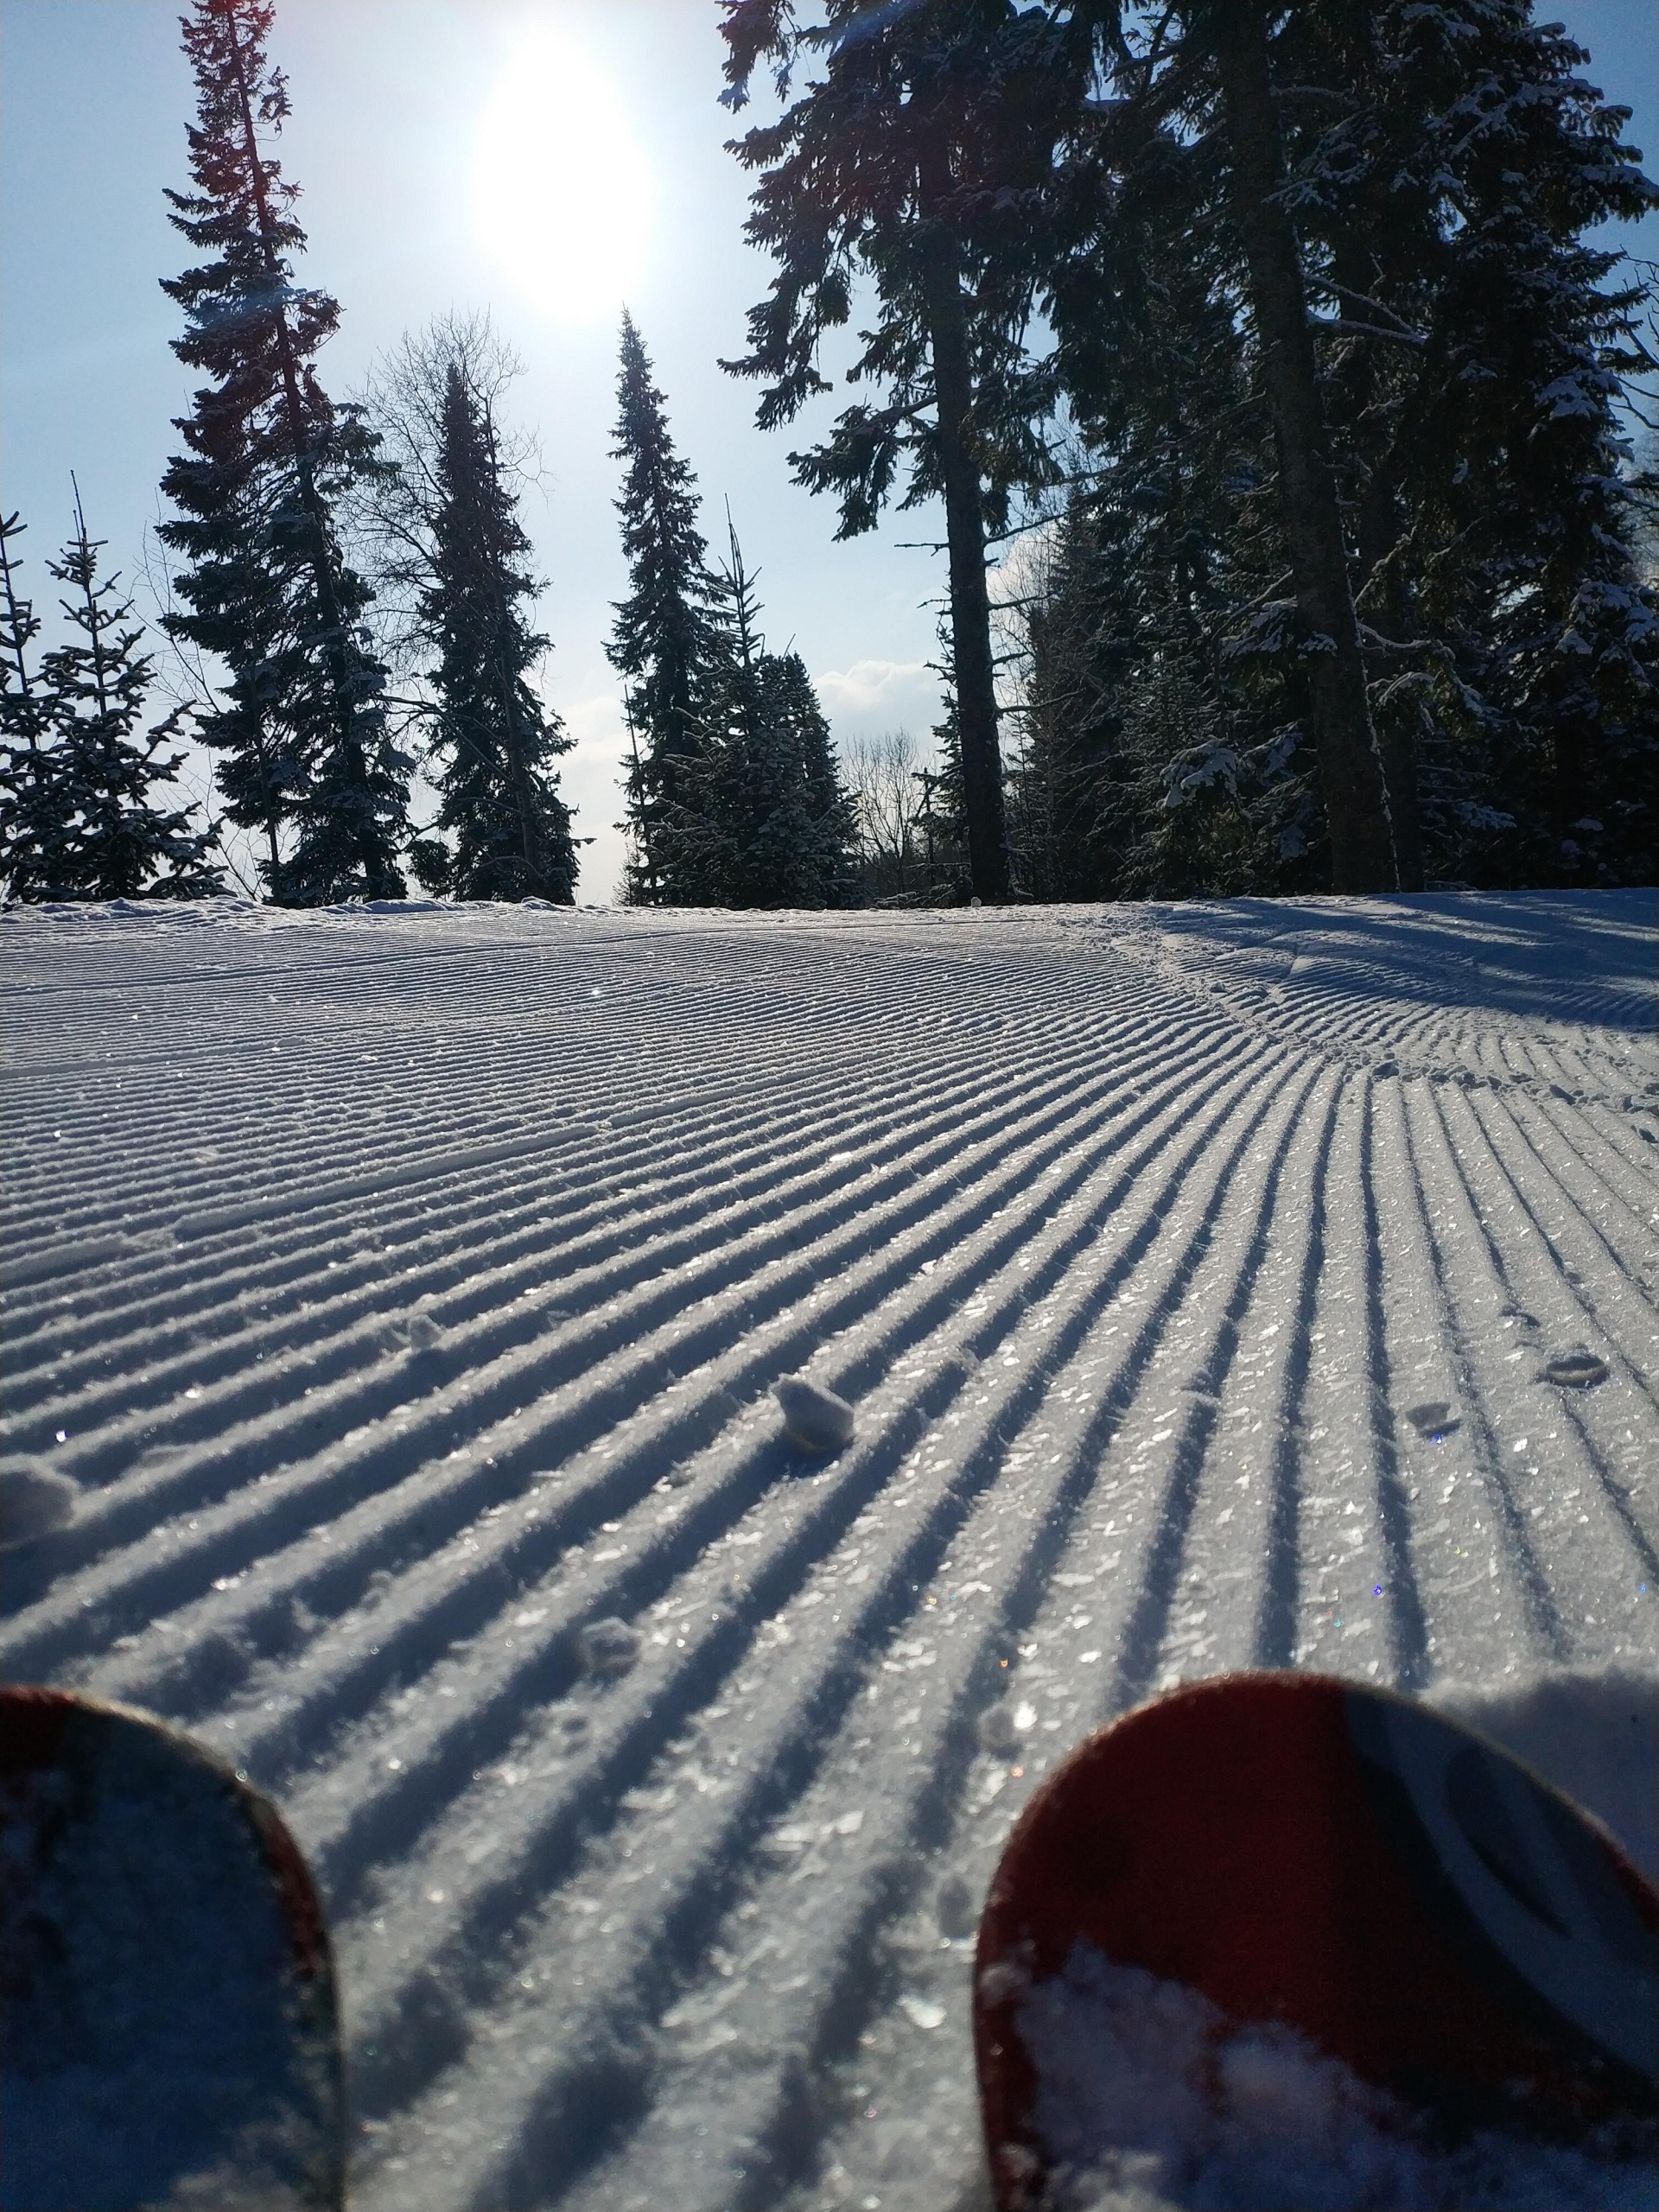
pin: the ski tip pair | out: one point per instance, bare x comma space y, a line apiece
1274, 1938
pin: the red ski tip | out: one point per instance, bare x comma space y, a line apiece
1266, 1875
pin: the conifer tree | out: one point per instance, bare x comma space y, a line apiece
1362, 858
501, 802
265, 588
763, 819
818, 823
120, 843
34, 819
1514, 551
719, 828
79, 819
914, 161
663, 643
943, 814
1440, 168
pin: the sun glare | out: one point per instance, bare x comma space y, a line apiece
561, 192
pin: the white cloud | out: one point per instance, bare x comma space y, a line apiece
590, 779
879, 694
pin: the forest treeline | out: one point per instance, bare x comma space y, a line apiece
1279, 399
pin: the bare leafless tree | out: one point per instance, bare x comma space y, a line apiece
390, 521
882, 774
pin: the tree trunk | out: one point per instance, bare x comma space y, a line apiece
1379, 533
1349, 765
964, 527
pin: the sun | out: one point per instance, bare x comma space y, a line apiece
561, 192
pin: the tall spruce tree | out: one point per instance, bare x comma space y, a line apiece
1440, 166
1513, 558
501, 802
1237, 35
310, 760
915, 161
663, 644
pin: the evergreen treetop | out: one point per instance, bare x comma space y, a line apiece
78, 815
34, 821
763, 820
664, 640
914, 165
124, 845
265, 588
500, 800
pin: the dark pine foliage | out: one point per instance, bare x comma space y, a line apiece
1534, 678
124, 843
819, 823
914, 165
307, 761
79, 816
35, 839
665, 643
509, 828
1444, 163
762, 818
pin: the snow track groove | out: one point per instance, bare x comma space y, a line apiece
405, 1287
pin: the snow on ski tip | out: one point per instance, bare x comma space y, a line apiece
411, 1323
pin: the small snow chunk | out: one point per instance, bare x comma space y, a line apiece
848, 1824
1433, 1419
922, 2011
1576, 1369
997, 1731
424, 1333
815, 1419
609, 1647
34, 1500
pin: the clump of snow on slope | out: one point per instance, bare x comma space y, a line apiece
34, 1500
1147, 2100
609, 1647
1592, 1731
1002, 1727
816, 1419
1575, 1369
424, 1333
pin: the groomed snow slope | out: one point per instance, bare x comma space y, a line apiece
405, 1289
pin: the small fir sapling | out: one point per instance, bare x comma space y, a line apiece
122, 844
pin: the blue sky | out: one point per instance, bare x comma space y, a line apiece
400, 107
